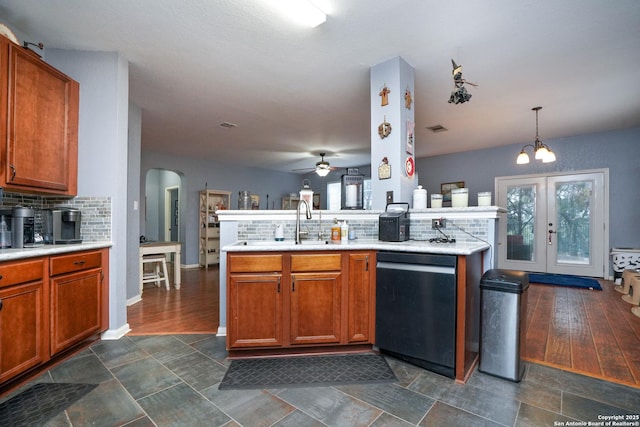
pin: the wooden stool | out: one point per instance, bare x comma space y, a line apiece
627, 275
159, 272
634, 288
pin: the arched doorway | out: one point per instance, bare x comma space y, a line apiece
162, 205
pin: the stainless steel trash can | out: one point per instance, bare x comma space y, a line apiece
503, 310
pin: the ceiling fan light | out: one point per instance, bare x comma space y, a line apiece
523, 158
322, 171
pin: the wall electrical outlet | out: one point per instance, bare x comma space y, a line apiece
389, 197
438, 223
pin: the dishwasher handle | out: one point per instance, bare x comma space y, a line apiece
425, 268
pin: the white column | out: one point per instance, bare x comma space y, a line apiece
397, 76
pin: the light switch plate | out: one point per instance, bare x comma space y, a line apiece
389, 196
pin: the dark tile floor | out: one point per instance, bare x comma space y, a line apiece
172, 380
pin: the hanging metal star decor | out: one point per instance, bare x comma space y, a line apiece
459, 95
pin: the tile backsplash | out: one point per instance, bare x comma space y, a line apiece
462, 229
96, 212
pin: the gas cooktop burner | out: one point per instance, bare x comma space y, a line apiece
442, 240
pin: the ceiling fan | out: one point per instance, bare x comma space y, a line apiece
322, 167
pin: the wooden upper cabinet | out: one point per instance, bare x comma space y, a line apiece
39, 133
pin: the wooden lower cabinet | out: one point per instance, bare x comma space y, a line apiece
255, 310
361, 303
49, 304
24, 327
303, 299
75, 308
315, 308
255, 301
77, 282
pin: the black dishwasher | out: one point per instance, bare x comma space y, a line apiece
416, 309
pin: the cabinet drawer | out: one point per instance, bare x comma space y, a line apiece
254, 263
77, 261
21, 272
315, 262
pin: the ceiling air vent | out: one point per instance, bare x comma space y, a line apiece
437, 128
228, 125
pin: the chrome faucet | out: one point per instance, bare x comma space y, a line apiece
307, 214
320, 233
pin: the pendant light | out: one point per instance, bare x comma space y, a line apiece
541, 151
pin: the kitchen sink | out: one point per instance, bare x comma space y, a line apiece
281, 243
315, 242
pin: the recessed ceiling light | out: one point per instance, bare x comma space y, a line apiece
228, 125
437, 128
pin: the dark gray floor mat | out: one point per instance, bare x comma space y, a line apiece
40, 402
306, 371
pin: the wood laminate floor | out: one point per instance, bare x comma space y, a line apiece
589, 332
192, 309
585, 331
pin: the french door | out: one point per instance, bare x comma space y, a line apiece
554, 223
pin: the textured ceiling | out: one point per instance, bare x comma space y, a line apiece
296, 91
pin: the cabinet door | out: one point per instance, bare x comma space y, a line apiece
315, 308
254, 310
361, 298
23, 337
41, 110
76, 307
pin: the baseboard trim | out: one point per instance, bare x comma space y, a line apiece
134, 300
115, 334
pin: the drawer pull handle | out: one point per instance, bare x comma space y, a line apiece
13, 172
79, 262
0, 276
0, 304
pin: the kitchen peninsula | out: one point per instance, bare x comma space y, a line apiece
283, 297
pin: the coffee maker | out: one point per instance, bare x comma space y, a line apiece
22, 227
61, 226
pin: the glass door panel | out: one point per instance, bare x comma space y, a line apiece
553, 224
521, 213
521, 247
575, 231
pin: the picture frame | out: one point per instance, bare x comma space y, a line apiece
445, 190
316, 201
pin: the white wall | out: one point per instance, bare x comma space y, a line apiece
103, 154
133, 201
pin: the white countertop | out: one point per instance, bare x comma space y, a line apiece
46, 250
461, 248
